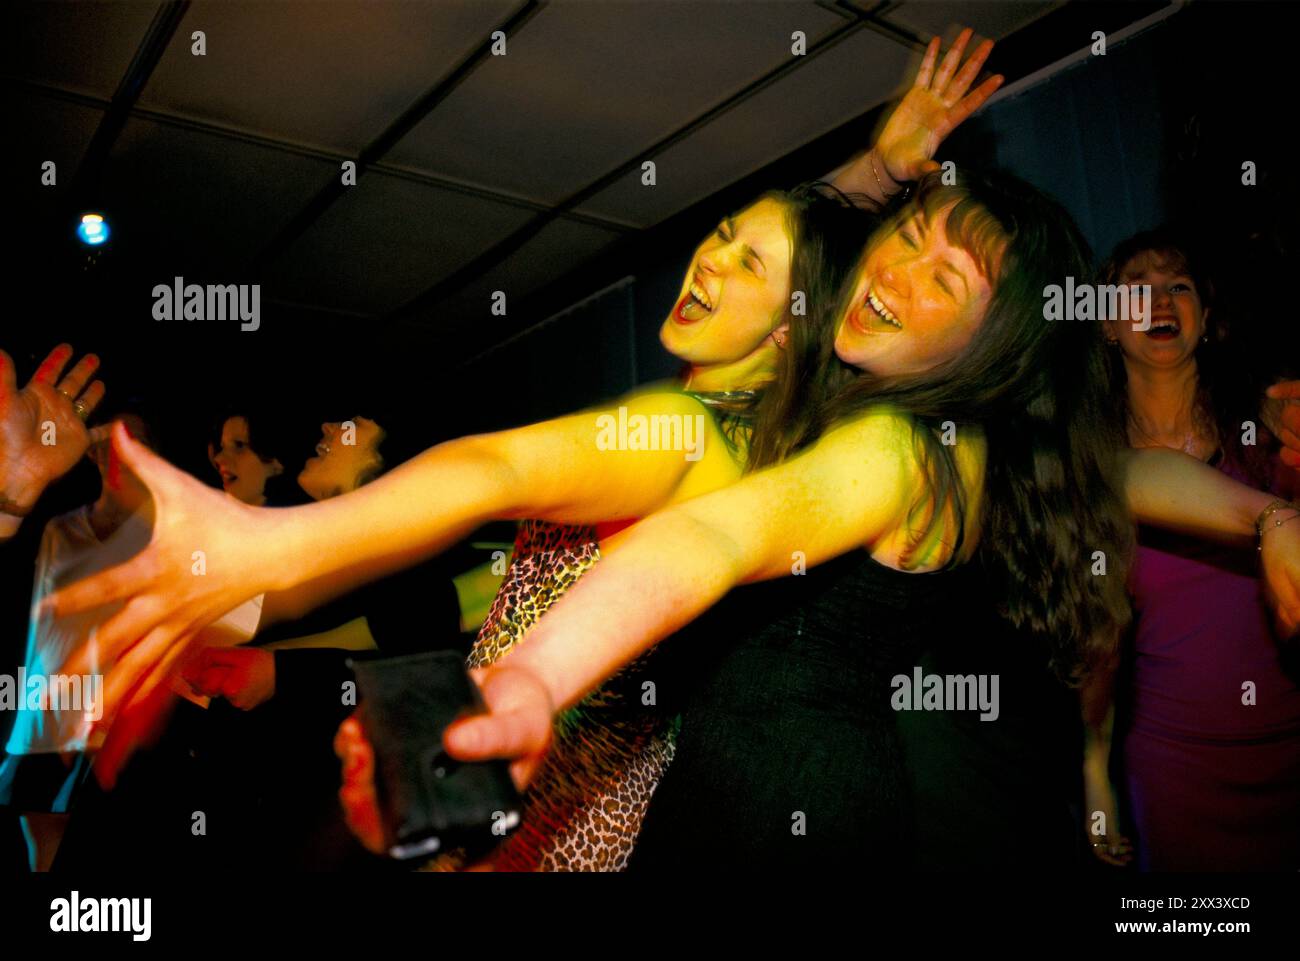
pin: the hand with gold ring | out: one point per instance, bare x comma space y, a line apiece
42, 427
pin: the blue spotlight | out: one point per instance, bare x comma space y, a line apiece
93, 230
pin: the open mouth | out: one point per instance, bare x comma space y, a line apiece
874, 316
1164, 328
696, 305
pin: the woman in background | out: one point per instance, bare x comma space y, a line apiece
1209, 731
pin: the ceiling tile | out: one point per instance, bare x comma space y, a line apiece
560, 247
859, 73
994, 19
191, 197
387, 240
85, 47
584, 86
330, 74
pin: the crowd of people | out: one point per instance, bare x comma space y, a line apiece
927, 475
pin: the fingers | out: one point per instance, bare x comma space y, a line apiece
140, 460
8, 376
107, 640
357, 792
974, 100
77, 378
510, 734
926, 73
52, 365
1285, 390
149, 662
967, 74
137, 723
949, 65
91, 398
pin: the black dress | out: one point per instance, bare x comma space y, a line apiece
789, 753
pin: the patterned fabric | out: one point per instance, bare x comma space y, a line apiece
584, 808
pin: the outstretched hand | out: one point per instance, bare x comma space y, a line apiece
202, 561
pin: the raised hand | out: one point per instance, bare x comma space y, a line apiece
47, 409
933, 108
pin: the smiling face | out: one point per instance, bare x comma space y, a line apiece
344, 459
1178, 317
243, 473
736, 290
918, 299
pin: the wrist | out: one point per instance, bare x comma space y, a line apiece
1273, 516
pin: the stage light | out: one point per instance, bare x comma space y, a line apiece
93, 230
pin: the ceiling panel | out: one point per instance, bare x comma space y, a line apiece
388, 239
85, 47
560, 247
200, 198
585, 86
333, 74
45, 128
855, 75
988, 18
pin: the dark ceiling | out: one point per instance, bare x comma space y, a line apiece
477, 172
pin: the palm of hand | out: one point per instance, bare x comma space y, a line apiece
25, 458
913, 134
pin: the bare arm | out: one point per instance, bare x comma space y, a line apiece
1167, 488
849, 490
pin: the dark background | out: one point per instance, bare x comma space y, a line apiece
1156, 130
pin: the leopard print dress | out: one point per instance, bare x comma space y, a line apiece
584, 808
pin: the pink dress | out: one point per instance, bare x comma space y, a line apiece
1211, 752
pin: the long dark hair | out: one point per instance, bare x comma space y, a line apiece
1228, 388
828, 233
1036, 389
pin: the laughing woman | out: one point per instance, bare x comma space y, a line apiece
1211, 778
